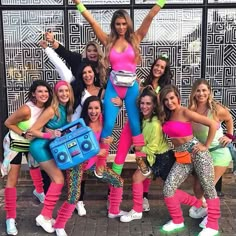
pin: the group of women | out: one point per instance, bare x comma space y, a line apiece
154, 111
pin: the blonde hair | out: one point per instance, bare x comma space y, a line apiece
129, 36
102, 69
69, 105
211, 102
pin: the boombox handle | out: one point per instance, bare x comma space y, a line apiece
72, 124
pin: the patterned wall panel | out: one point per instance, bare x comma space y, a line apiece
177, 33
170, 1
221, 55
32, 2
24, 59
222, 1
102, 2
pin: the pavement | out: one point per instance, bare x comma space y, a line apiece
96, 222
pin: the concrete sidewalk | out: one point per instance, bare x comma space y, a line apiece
96, 222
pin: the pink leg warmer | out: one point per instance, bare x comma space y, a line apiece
146, 185
139, 141
188, 199
51, 198
101, 161
37, 179
138, 196
124, 144
10, 202
213, 213
115, 198
174, 209
63, 215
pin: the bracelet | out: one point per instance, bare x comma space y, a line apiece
81, 8
230, 136
160, 3
47, 135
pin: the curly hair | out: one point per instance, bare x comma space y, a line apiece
129, 35
148, 91
164, 112
165, 79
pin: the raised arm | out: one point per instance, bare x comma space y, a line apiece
101, 35
61, 68
143, 29
72, 58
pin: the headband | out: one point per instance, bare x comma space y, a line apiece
59, 84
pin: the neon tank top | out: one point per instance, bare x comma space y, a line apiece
123, 60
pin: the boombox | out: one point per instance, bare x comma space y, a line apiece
74, 147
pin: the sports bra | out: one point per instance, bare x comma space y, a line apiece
177, 129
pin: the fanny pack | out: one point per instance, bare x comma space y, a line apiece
18, 143
123, 78
183, 157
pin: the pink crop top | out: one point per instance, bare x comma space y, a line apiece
123, 60
177, 129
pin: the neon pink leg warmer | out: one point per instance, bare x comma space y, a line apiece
138, 196
10, 202
146, 185
188, 199
213, 213
115, 198
63, 215
37, 179
139, 141
51, 198
173, 206
125, 143
101, 161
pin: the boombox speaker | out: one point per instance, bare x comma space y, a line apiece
74, 147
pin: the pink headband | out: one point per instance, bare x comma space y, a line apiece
59, 84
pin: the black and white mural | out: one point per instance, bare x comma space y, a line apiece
199, 36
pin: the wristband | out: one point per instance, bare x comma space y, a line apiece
81, 8
47, 135
161, 3
230, 136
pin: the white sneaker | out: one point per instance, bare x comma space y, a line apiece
80, 208
132, 215
197, 213
11, 226
45, 224
39, 196
60, 232
208, 232
113, 216
146, 206
203, 223
170, 226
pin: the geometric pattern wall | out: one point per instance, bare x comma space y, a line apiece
196, 48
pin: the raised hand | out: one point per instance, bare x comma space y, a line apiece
76, 2
43, 44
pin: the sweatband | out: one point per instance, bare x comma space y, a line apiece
81, 8
161, 3
59, 84
47, 135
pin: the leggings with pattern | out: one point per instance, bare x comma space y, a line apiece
202, 164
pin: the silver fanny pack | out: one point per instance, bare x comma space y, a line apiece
123, 78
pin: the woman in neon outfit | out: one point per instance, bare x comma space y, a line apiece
122, 53
159, 76
202, 102
190, 155
45, 129
159, 158
40, 97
